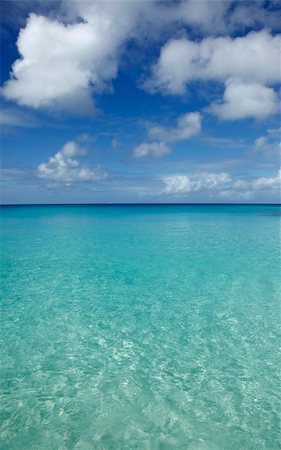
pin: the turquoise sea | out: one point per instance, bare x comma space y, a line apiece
140, 327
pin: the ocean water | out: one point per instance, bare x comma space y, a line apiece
140, 327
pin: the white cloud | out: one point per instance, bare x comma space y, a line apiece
270, 144
184, 184
247, 65
187, 126
226, 16
253, 58
250, 14
63, 168
71, 148
266, 183
222, 183
64, 61
242, 100
62, 65
54, 68
260, 143
155, 149
205, 14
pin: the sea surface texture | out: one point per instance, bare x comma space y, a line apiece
140, 328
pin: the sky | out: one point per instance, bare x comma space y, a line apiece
140, 101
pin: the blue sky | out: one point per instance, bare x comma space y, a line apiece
128, 101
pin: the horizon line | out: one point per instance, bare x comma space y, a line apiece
143, 204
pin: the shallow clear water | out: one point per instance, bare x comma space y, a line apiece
140, 327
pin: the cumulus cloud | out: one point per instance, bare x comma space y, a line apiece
265, 183
252, 58
187, 126
247, 65
242, 100
71, 148
54, 65
63, 62
222, 183
184, 184
155, 149
61, 65
63, 168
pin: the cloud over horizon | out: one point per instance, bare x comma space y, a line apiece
63, 168
183, 184
190, 89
